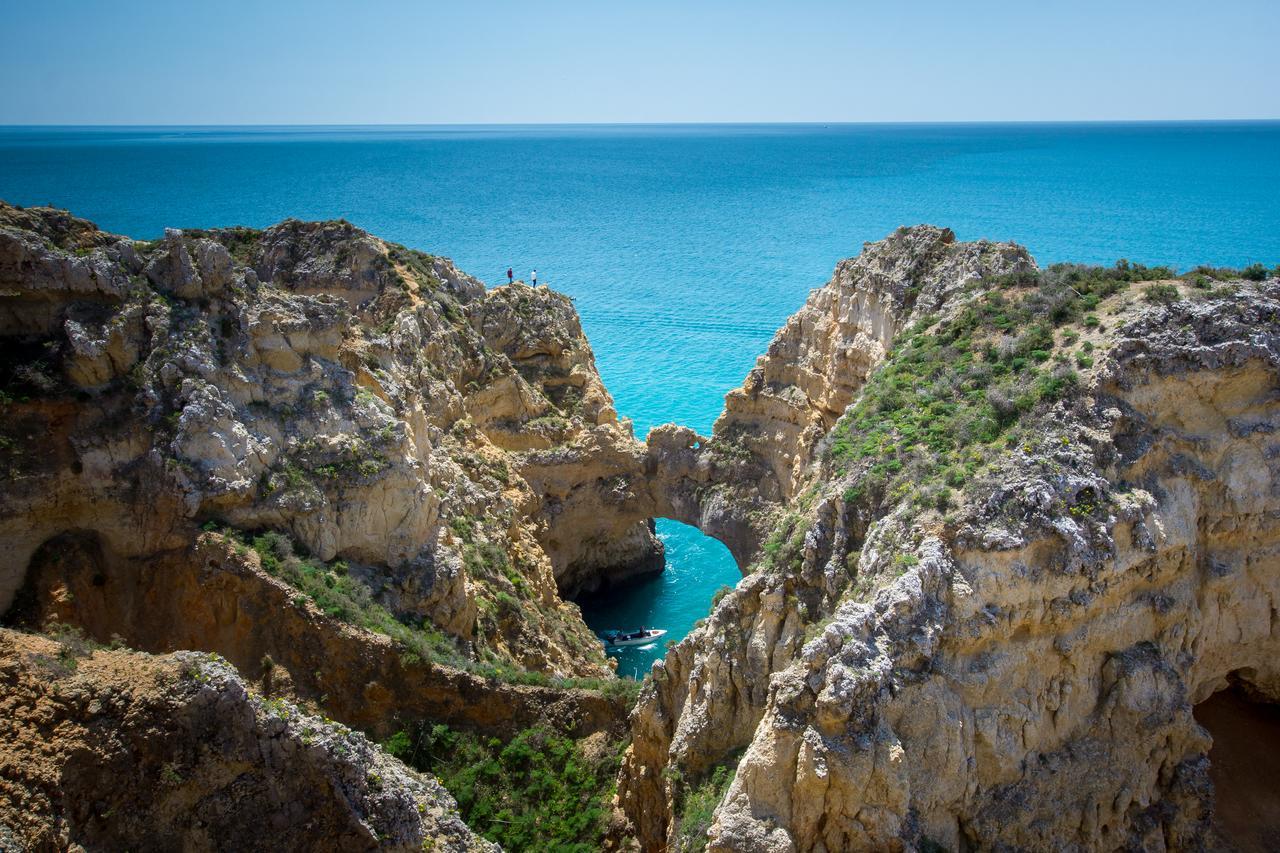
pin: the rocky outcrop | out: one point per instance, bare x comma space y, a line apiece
216, 597
120, 750
705, 699
1002, 527
822, 356
1015, 669
372, 402
597, 532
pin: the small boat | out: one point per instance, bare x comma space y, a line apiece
631, 638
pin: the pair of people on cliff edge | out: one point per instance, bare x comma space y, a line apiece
511, 277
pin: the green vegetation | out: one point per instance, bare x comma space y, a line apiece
339, 595
419, 264
786, 540
1161, 294
73, 644
696, 807
548, 423
1254, 272
948, 398
537, 791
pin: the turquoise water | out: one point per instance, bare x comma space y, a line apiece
683, 246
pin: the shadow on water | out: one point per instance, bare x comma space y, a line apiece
697, 566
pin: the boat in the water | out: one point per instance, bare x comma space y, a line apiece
631, 638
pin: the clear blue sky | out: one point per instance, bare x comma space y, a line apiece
422, 61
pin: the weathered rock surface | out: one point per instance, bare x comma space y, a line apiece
821, 357
217, 598
1019, 674
114, 750
1006, 662
373, 402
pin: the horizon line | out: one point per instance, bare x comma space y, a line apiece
736, 123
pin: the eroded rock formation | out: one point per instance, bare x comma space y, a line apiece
1002, 529
1015, 668
373, 402
115, 750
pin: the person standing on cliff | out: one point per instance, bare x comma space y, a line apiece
511, 276
533, 276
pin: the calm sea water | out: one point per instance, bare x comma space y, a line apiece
684, 247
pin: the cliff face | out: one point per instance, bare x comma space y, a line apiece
733, 485
319, 455
116, 750
822, 356
1002, 585
708, 695
373, 403
1002, 529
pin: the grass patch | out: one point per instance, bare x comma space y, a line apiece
340, 596
331, 588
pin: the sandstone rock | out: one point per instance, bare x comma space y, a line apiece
316, 380
1023, 677
114, 750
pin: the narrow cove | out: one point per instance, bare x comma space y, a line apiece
697, 566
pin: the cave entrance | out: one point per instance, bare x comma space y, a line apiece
697, 566
57, 581
1244, 765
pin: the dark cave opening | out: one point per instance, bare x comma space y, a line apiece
1244, 766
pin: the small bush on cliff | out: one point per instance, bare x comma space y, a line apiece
1161, 294
1254, 272
696, 808
537, 791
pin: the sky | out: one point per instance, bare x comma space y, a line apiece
491, 61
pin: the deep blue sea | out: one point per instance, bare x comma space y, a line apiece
683, 246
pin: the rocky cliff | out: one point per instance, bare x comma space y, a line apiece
372, 403
1034, 525
309, 451
115, 750
1003, 528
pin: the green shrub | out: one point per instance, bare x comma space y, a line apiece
697, 807
1161, 294
340, 596
537, 791
1254, 272
944, 400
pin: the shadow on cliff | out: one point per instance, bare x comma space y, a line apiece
215, 597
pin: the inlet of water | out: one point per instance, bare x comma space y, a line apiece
697, 566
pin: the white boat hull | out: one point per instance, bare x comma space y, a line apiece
656, 634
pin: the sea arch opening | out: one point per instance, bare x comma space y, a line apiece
697, 566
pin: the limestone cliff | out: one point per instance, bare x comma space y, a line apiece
759, 455
1002, 528
819, 360
327, 458
372, 402
114, 750
1042, 531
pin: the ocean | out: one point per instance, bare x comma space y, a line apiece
684, 246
